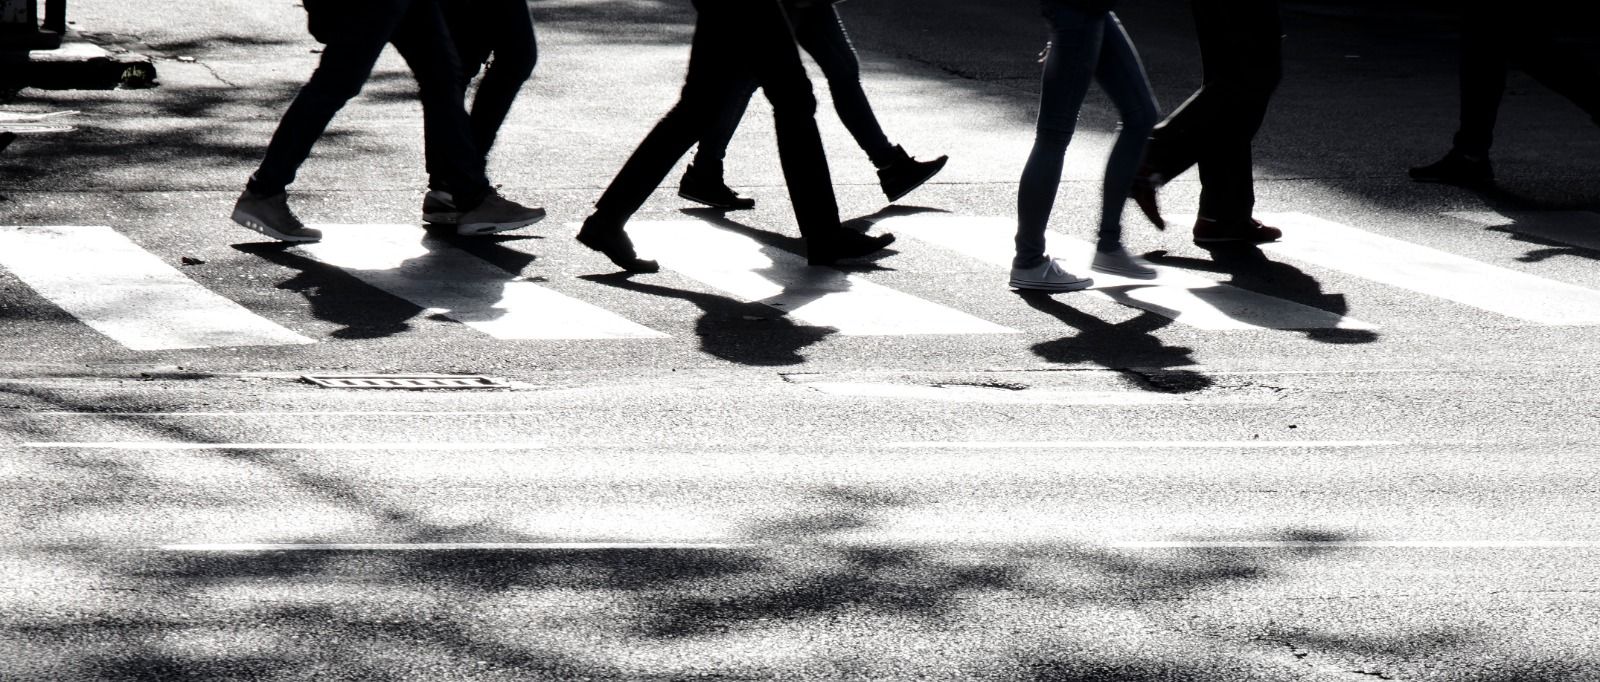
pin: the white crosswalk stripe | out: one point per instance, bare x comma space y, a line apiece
125, 292
824, 297
1186, 298
1428, 271
397, 259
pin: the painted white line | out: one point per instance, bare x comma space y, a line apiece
1358, 544
997, 396
1577, 228
823, 297
1185, 297
400, 260
152, 445
127, 293
442, 546
1432, 272
1141, 445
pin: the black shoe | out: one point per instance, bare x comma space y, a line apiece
844, 245
1456, 168
614, 243
1208, 231
905, 174
703, 188
1144, 195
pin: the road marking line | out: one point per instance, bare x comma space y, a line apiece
1143, 445
1357, 544
149, 445
330, 413
1575, 228
1432, 272
128, 294
823, 297
400, 260
1185, 297
441, 546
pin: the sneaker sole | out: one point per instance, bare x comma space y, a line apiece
1130, 274
480, 229
1051, 286
255, 224
451, 218
1233, 240
717, 204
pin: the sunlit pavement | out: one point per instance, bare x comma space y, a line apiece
1365, 452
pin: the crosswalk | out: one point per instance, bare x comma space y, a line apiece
130, 295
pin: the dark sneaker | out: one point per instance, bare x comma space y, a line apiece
439, 208
1143, 192
1456, 168
1208, 231
609, 239
497, 214
271, 216
844, 245
905, 174
706, 188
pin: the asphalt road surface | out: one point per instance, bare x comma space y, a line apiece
1368, 451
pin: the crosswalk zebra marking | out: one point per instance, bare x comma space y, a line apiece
1574, 228
128, 294
1432, 272
1187, 298
824, 297
398, 259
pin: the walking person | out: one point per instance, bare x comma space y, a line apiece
821, 32
1494, 40
1087, 43
355, 34
734, 41
495, 37
1241, 51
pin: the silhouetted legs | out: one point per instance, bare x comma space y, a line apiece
1085, 47
499, 33
1242, 54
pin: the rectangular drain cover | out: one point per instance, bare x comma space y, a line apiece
412, 381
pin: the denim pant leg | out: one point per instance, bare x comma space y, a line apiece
424, 41
821, 32
718, 72
713, 147
776, 62
1483, 71
343, 69
1075, 40
1241, 45
1122, 76
499, 32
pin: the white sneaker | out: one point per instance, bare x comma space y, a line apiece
497, 214
271, 216
1048, 276
1122, 264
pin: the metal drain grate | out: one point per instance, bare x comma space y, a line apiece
410, 381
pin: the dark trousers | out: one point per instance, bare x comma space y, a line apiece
1493, 41
417, 30
820, 31
736, 41
495, 37
1241, 49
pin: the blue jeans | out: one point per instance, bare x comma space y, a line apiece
821, 33
495, 37
417, 30
1085, 46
